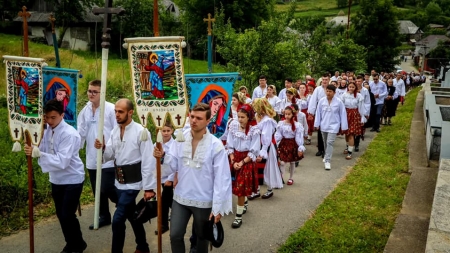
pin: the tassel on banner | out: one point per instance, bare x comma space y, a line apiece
36, 153
16, 147
144, 135
159, 137
180, 136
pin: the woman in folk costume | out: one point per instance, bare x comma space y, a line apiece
390, 102
289, 136
237, 100
291, 98
243, 144
273, 99
268, 153
304, 97
354, 106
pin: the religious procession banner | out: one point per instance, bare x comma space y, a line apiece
216, 90
62, 84
157, 76
24, 80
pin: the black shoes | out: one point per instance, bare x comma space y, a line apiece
356, 149
319, 153
79, 250
101, 223
254, 196
267, 195
236, 223
375, 130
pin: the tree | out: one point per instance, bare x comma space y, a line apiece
433, 11
341, 3
242, 14
375, 27
9, 9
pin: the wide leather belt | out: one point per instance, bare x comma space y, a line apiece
128, 174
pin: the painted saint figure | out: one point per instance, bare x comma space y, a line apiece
24, 83
156, 75
218, 105
59, 89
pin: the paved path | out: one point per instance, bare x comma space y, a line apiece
266, 225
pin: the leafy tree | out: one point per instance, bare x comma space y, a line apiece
242, 14
341, 3
376, 28
9, 9
433, 12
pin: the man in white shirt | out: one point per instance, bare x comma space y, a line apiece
330, 117
379, 90
319, 93
261, 90
135, 171
204, 180
87, 126
400, 88
59, 157
335, 77
367, 105
287, 85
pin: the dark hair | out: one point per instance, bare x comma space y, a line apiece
293, 108
355, 92
167, 123
331, 87
288, 79
325, 74
359, 77
54, 105
202, 107
262, 77
96, 83
130, 105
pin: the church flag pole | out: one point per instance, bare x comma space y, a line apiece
210, 21
55, 42
107, 11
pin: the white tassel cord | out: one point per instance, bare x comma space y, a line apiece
16, 147
180, 136
144, 135
36, 152
159, 137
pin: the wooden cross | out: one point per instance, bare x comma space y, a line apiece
35, 137
159, 120
107, 11
143, 118
178, 117
209, 20
16, 131
25, 14
52, 21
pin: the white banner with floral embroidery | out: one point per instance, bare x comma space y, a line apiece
158, 79
24, 97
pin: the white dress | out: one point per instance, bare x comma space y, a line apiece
272, 174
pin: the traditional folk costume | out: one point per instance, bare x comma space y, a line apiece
259, 92
204, 187
59, 157
330, 117
401, 91
243, 143
87, 126
367, 107
390, 104
378, 88
275, 103
135, 171
289, 137
340, 91
319, 93
167, 193
354, 107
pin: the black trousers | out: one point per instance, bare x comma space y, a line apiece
67, 198
167, 199
320, 146
107, 190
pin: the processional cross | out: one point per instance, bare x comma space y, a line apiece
25, 14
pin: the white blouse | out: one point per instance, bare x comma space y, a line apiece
285, 103
275, 103
239, 141
301, 118
267, 127
284, 130
351, 102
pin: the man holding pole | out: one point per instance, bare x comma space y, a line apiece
88, 121
135, 170
58, 155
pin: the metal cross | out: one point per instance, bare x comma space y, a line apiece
25, 14
107, 11
209, 20
178, 117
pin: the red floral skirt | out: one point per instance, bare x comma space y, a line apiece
245, 180
287, 150
354, 122
310, 122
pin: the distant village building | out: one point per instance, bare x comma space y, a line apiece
424, 47
410, 31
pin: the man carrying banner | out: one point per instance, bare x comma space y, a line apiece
87, 127
58, 155
135, 171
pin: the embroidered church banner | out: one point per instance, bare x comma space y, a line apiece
62, 84
24, 96
158, 79
216, 90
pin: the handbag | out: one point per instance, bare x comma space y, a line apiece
146, 210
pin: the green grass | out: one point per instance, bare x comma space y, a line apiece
359, 214
325, 8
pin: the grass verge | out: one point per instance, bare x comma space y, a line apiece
359, 214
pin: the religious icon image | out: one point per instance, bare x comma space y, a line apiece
26, 80
61, 84
217, 98
157, 75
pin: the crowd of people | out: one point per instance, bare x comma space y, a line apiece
263, 143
